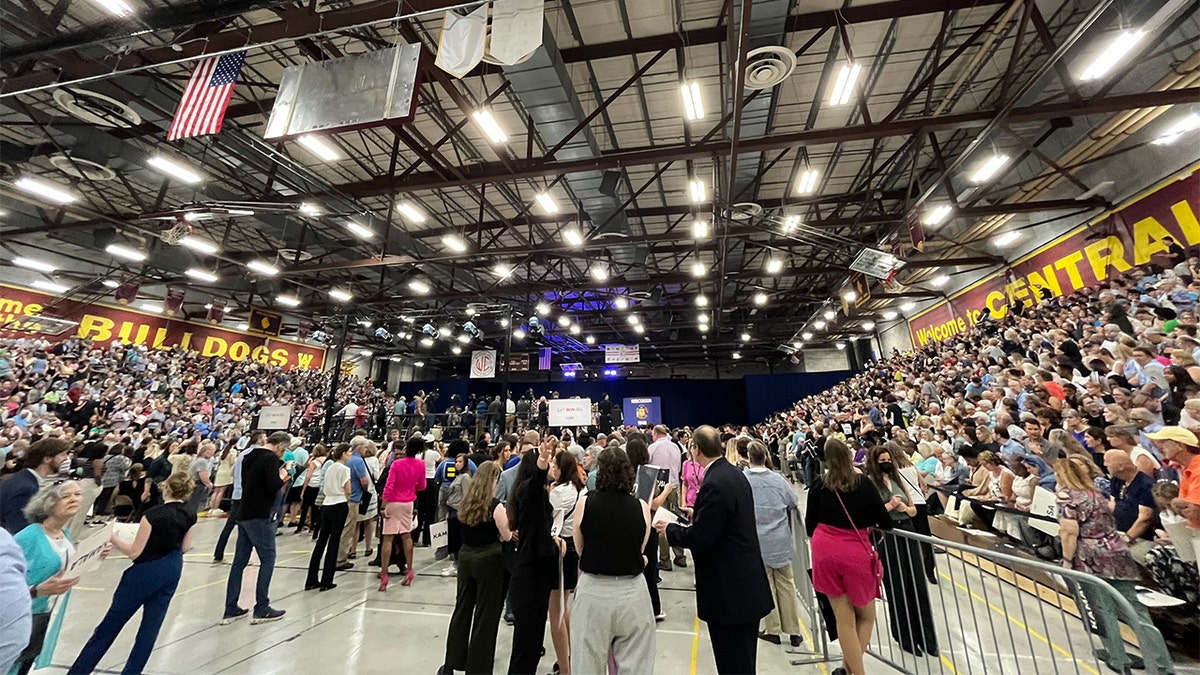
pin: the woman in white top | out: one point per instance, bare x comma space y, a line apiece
1023, 486
310, 487
916, 490
335, 488
566, 484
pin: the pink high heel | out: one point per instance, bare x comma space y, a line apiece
408, 578
383, 582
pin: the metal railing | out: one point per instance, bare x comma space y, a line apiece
987, 612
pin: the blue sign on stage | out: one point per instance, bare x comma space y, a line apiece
643, 412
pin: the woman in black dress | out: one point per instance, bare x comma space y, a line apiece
535, 571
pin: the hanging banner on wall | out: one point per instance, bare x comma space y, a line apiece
483, 363
642, 412
1108, 245
622, 353
104, 324
518, 363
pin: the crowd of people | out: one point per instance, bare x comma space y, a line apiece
1091, 398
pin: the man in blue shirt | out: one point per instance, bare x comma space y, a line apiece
359, 480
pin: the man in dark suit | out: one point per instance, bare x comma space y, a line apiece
732, 593
41, 461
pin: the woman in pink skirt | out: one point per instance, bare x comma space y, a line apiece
406, 477
842, 505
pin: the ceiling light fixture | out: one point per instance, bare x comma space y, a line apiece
791, 223
49, 286
599, 273
868, 325
151, 307
119, 251
699, 269
575, 329
289, 300
411, 212
502, 270
939, 281
419, 286
418, 364
774, 266
519, 334
174, 169
546, 201
703, 328
427, 342
849, 295
639, 329
490, 126
938, 215
1116, 49
564, 321
634, 320
806, 335
359, 230
843, 87
115, 7
806, 182
324, 151
542, 308
840, 345
745, 337
591, 339
989, 169
464, 338
703, 318
697, 190
201, 275
30, 263
702, 300
693, 106
1183, 126
621, 303
572, 237
309, 209
456, 349
830, 315
1007, 239
199, 245
51, 192
908, 306
760, 299
699, 229
454, 243
110, 283
819, 324
340, 295
889, 315
263, 267
736, 355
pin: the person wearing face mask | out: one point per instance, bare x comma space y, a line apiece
910, 615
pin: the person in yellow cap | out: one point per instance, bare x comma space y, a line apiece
1181, 448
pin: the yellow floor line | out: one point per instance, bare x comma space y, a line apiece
196, 588
695, 644
808, 639
999, 610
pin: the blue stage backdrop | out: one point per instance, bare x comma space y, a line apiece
683, 402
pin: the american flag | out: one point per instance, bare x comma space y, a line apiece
202, 108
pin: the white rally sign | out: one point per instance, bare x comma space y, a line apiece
622, 354
483, 363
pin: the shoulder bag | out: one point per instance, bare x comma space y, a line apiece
876, 563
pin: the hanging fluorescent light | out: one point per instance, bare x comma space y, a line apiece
840, 345
119, 251
591, 339
572, 237
464, 338
702, 318
1007, 239
519, 334
151, 307
1189, 123
806, 182
427, 342
889, 315
115, 7
542, 308
445, 332
908, 306
698, 190
456, 350
411, 212
736, 355
546, 201
790, 223
49, 286
693, 106
454, 243
745, 337
564, 321
340, 295
702, 300
699, 229
575, 329
621, 303
989, 168
359, 230
201, 275
634, 320
419, 286
263, 267
938, 215
939, 281
490, 126
599, 273
703, 328
110, 283
849, 295
699, 269
868, 325
243, 326
819, 324
366, 352
760, 299
51, 192
1120, 45
199, 245
774, 266
830, 315
324, 151
502, 270
30, 263
309, 209
843, 86
418, 364
806, 335
639, 329
175, 169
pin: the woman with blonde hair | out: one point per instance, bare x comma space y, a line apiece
1116, 416
483, 522
1183, 358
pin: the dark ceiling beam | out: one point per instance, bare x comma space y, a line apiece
523, 169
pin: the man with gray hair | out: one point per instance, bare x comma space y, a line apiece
666, 455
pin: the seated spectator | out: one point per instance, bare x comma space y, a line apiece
1131, 503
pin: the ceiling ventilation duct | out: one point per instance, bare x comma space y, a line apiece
96, 108
77, 167
767, 66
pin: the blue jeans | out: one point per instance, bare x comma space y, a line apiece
259, 534
148, 586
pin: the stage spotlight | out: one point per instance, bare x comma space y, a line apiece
384, 334
429, 330
535, 327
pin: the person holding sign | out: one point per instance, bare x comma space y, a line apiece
163, 536
47, 548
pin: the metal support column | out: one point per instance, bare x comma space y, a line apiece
334, 380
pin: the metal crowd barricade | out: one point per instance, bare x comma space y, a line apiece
991, 613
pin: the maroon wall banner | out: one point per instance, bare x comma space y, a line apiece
104, 323
1079, 259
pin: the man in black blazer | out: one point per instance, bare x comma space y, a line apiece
732, 593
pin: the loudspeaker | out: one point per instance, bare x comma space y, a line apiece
608, 184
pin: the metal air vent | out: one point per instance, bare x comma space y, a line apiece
291, 255
96, 108
745, 211
82, 168
768, 66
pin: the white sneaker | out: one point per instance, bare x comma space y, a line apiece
215, 513
451, 571
660, 617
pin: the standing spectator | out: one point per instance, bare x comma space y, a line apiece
90, 462
116, 466
774, 504
223, 479
41, 461
724, 546
406, 478
842, 504
612, 604
335, 487
255, 440
566, 484
535, 570
427, 499
16, 614
665, 455
359, 486
201, 475
263, 475
164, 535
310, 486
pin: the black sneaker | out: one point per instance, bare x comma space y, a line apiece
230, 617
793, 645
680, 561
345, 566
770, 637
268, 616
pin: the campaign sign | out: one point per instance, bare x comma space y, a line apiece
570, 412
642, 412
